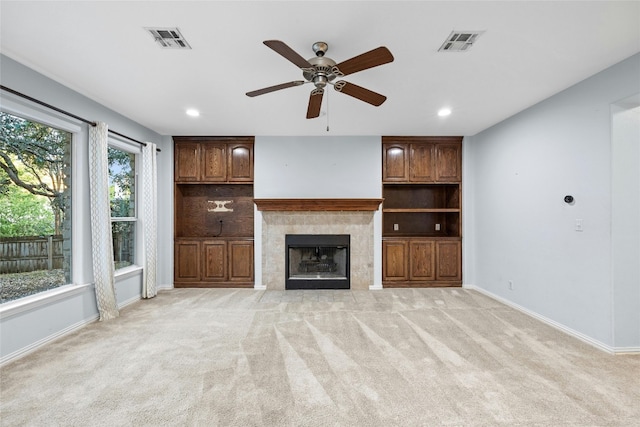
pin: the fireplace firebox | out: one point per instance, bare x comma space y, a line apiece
317, 261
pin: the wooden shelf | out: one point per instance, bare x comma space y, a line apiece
427, 210
321, 205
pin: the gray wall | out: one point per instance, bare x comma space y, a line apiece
625, 230
519, 228
33, 321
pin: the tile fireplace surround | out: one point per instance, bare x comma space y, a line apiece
317, 217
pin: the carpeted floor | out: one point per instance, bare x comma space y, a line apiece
394, 357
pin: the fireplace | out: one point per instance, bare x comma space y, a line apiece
317, 261
351, 217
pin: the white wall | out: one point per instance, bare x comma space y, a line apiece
522, 230
32, 321
318, 167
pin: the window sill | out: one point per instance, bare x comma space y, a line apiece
32, 302
126, 272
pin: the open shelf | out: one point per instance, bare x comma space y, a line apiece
196, 215
421, 224
421, 210
421, 197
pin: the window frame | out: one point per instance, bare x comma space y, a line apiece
136, 150
17, 106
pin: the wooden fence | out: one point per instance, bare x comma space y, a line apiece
30, 253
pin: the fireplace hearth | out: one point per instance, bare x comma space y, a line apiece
317, 261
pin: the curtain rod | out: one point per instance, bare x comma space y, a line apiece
89, 122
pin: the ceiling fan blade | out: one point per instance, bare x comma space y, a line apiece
360, 93
373, 58
274, 88
288, 53
315, 101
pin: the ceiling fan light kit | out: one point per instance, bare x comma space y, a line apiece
321, 71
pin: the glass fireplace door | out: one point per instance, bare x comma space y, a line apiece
317, 261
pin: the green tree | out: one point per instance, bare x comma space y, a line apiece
32, 155
121, 182
24, 214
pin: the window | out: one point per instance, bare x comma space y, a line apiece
35, 207
122, 194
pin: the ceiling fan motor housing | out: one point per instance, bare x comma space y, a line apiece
322, 71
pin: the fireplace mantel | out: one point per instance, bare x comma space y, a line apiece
323, 205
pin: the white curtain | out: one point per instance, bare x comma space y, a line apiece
149, 218
101, 240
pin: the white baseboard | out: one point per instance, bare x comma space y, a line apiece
46, 340
579, 335
130, 301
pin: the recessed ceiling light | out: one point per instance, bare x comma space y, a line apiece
444, 112
193, 112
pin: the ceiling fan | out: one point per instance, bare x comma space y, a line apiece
322, 70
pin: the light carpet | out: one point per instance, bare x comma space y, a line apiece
393, 357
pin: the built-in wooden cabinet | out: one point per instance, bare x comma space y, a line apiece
213, 263
187, 261
213, 160
421, 160
213, 207
421, 262
422, 212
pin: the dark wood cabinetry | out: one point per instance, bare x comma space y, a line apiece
421, 159
213, 263
213, 159
213, 212
421, 222
421, 262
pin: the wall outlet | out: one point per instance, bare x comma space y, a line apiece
510, 282
437, 227
396, 227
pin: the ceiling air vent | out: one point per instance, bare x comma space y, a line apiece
168, 38
460, 41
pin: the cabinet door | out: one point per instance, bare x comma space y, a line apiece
241, 261
215, 260
422, 260
449, 265
448, 163
421, 164
394, 260
187, 162
395, 162
240, 165
187, 260
214, 162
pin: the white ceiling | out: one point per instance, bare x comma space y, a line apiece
529, 51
